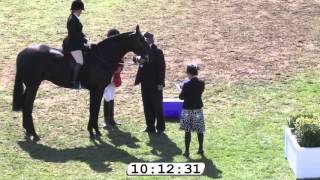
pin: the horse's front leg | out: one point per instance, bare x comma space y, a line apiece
95, 102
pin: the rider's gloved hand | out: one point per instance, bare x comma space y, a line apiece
136, 59
87, 44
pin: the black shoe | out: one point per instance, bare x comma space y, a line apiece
110, 125
107, 126
160, 132
186, 154
200, 152
148, 130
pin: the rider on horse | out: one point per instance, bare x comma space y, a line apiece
76, 40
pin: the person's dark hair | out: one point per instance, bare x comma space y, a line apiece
149, 37
77, 5
113, 32
192, 69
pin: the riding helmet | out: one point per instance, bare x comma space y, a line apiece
77, 5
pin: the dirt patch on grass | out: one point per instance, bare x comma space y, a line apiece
231, 40
238, 40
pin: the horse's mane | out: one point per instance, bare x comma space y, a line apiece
107, 48
114, 38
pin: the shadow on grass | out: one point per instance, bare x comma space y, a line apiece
211, 169
163, 147
119, 138
173, 120
96, 156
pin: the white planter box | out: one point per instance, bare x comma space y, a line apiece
305, 162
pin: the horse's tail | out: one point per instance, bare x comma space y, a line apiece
17, 102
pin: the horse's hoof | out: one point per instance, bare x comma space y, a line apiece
98, 133
35, 138
92, 138
31, 137
27, 138
98, 137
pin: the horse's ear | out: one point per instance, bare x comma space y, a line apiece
138, 29
136, 32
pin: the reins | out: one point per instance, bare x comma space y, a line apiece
98, 57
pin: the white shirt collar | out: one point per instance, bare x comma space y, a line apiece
77, 16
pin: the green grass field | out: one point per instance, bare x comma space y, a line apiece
259, 60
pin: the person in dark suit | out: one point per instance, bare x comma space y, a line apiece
151, 75
76, 40
192, 118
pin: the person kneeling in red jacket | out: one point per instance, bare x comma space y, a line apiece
110, 90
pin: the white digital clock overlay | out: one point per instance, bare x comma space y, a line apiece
166, 169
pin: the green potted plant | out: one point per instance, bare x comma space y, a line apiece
302, 145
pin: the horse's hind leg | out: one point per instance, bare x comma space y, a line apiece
95, 102
29, 97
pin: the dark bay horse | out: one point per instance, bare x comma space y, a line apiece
38, 63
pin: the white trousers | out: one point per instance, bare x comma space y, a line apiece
109, 92
77, 55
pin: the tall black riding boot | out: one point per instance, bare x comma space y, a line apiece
75, 82
112, 121
106, 108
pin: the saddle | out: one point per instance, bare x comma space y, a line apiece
69, 61
67, 54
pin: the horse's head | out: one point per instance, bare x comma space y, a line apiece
113, 48
140, 45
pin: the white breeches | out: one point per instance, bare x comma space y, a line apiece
109, 92
77, 55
